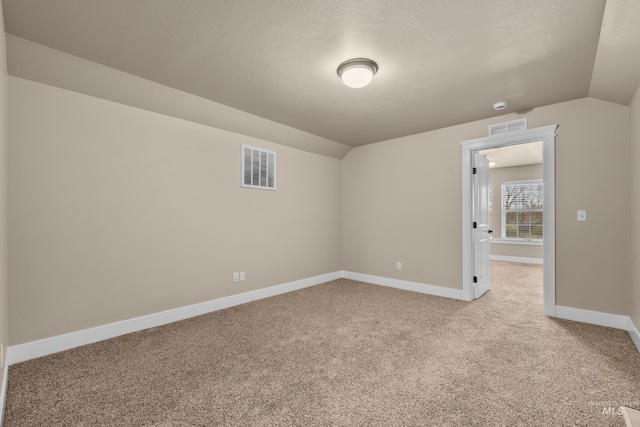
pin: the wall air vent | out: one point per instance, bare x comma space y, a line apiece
258, 168
505, 127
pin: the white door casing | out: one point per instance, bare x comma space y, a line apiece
481, 230
547, 135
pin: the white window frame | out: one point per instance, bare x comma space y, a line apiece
266, 181
503, 213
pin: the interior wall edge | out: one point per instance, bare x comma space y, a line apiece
3, 391
4, 228
634, 253
634, 334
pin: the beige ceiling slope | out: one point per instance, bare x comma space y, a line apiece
616, 74
441, 63
42, 64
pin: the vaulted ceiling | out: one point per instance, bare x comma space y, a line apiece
441, 62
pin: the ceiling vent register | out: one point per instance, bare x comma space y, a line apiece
512, 126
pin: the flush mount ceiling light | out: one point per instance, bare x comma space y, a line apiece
357, 72
500, 105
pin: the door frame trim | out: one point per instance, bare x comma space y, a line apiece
547, 135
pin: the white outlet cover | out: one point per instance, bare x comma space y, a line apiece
582, 215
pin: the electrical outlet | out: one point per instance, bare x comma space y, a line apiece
242, 276
236, 276
398, 265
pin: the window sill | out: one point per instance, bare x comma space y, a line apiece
517, 242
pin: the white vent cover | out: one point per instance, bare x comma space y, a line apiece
505, 127
258, 168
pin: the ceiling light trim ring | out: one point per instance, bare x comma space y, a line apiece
357, 62
354, 65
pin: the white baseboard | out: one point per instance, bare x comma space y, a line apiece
519, 259
3, 391
31, 350
602, 319
406, 285
593, 317
634, 334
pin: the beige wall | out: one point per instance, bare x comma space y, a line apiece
4, 328
517, 250
117, 212
634, 308
497, 177
401, 201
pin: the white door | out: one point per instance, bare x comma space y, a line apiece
481, 230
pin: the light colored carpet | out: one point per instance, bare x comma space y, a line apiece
344, 353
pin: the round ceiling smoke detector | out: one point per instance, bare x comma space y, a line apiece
498, 106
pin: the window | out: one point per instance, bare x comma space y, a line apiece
522, 204
258, 168
490, 198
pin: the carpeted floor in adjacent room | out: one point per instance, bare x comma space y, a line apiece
344, 353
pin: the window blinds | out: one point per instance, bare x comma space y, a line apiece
522, 206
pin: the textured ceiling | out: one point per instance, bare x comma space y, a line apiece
515, 155
441, 62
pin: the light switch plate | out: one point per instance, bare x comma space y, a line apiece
582, 215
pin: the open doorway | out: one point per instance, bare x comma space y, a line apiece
516, 218
470, 150
516, 202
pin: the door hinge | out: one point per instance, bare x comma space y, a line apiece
474, 171
475, 279
475, 224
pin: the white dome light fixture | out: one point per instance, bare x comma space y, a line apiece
357, 72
